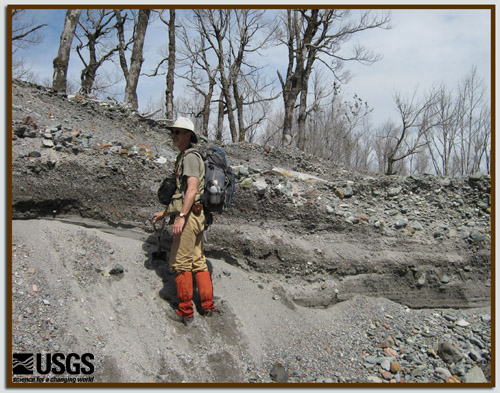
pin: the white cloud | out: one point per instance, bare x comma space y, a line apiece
423, 47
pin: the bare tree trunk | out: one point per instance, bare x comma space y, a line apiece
246, 80
220, 118
169, 93
239, 110
62, 60
207, 100
301, 121
120, 23
289, 102
220, 27
88, 73
136, 59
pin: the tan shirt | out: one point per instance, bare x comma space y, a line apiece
192, 166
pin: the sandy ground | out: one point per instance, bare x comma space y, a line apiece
61, 273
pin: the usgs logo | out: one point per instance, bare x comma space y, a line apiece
56, 363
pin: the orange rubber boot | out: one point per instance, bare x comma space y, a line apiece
205, 290
184, 283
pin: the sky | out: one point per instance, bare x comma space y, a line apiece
422, 48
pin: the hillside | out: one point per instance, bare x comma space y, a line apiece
322, 274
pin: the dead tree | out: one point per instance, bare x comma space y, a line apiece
96, 27
418, 118
132, 72
215, 27
246, 79
62, 59
474, 124
441, 140
230, 35
169, 91
195, 66
316, 35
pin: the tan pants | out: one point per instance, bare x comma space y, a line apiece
186, 254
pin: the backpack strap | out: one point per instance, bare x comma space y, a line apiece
180, 178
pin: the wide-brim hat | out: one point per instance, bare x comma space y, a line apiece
185, 124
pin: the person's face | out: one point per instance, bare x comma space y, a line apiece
180, 138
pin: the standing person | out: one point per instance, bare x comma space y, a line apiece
186, 256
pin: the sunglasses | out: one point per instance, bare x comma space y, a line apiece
177, 132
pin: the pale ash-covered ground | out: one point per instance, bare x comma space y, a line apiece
70, 302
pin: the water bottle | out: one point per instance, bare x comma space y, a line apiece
214, 191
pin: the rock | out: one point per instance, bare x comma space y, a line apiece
421, 280
280, 189
385, 374
20, 131
445, 279
375, 379
486, 318
392, 192
458, 368
442, 373
49, 143
477, 237
395, 367
401, 223
246, 183
244, 171
261, 186
354, 258
449, 353
386, 364
278, 373
462, 323
416, 226
161, 160
475, 375
478, 343
475, 356
449, 317
116, 270
418, 372
47, 134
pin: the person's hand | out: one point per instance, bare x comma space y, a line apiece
158, 216
179, 226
